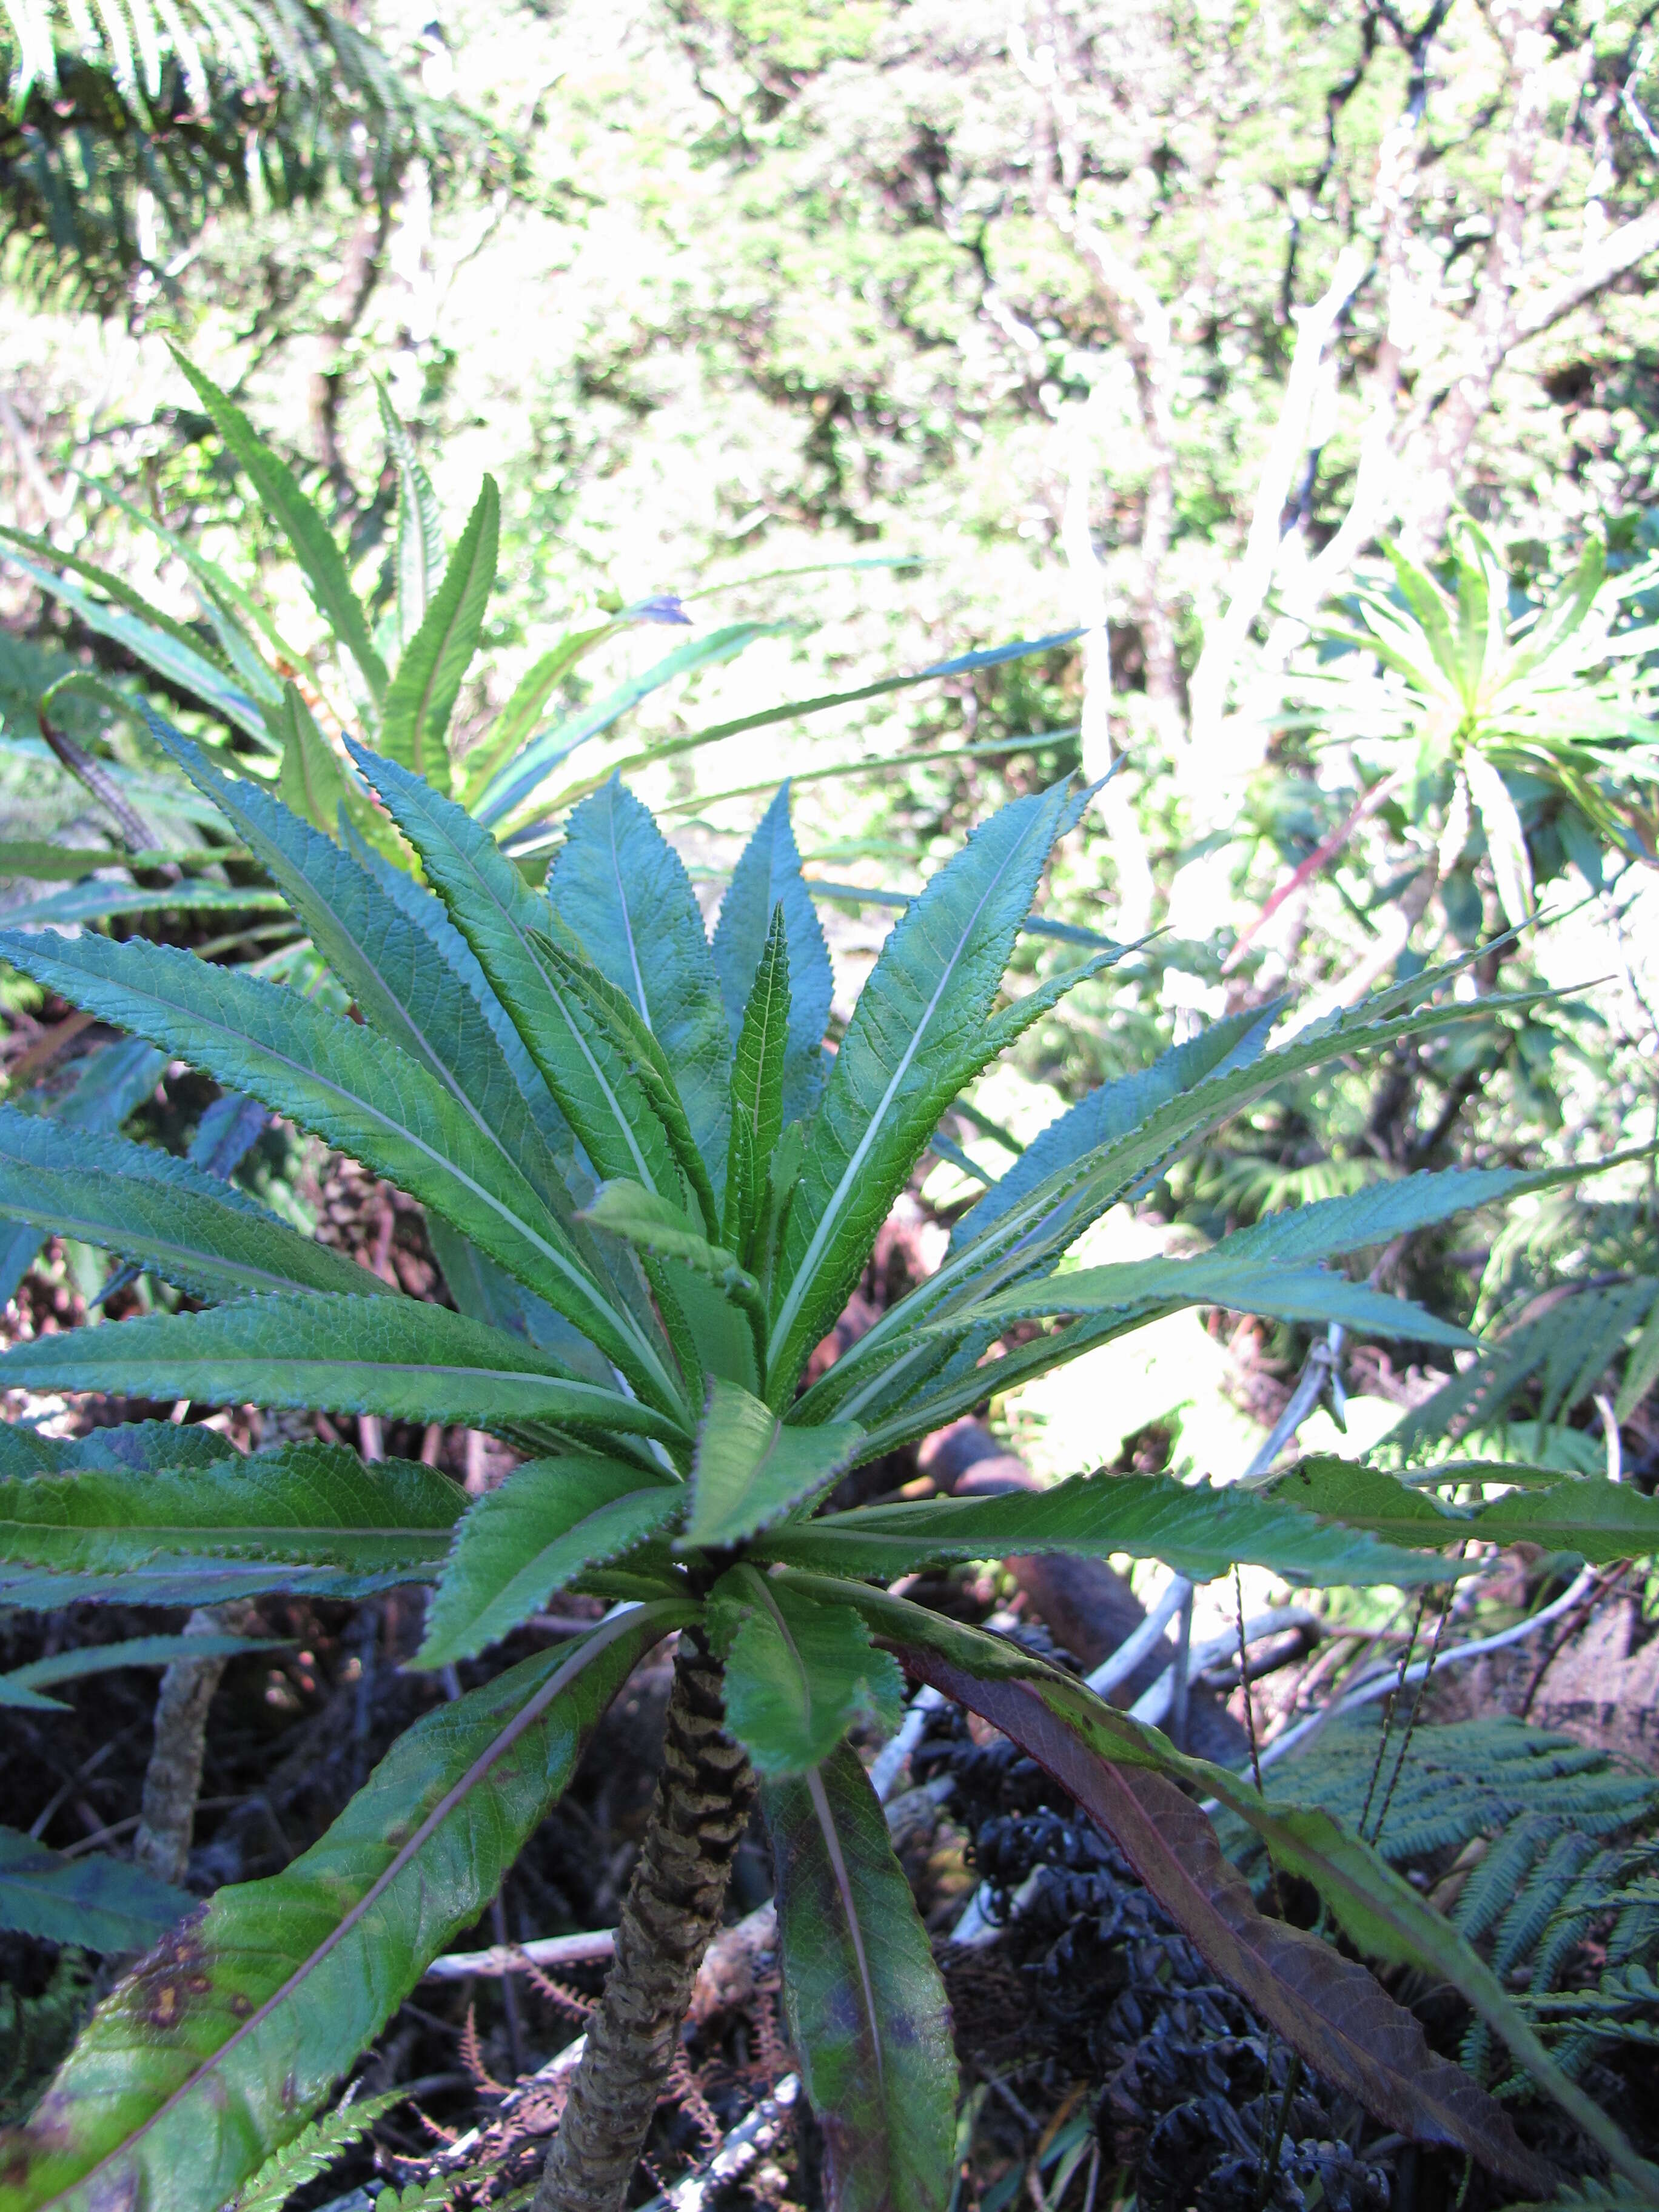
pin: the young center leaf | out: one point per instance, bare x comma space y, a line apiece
917, 1035
767, 877
797, 1673
533, 1535
758, 1069
215, 2048
421, 698
865, 2004
750, 1470
621, 888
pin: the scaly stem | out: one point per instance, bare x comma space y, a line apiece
672, 1909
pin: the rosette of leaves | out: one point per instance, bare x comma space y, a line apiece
1532, 718
651, 1192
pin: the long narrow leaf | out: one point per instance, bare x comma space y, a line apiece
399, 1357
92, 1900
289, 507
768, 876
916, 1036
212, 2052
421, 698
864, 2003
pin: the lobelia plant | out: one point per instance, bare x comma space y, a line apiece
652, 1191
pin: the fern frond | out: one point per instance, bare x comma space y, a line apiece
311, 2152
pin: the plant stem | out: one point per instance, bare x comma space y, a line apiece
672, 1908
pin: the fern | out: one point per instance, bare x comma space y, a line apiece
35, 2031
1563, 1353
312, 2153
1518, 1812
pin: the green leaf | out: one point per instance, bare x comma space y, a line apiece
522, 778
656, 1226
865, 2004
1506, 841
512, 726
144, 1446
409, 974
98, 901
768, 876
1095, 1750
758, 1068
289, 507
158, 642
366, 1096
798, 1674
399, 1357
420, 522
621, 888
415, 721
312, 781
1598, 1520
506, 926
1641, 1368
22, 1685
112, 1081
517, 1544
312, 2153
750, 1470
97, 1902
917, 1035
1221, 1278
162, 1213
1198, 1530
1050, 1214
302, 1504
209, 2056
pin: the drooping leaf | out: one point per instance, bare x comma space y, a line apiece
1354, 2035
149, 635
295, 515
768, 876
865, 2004
656, 1226
98, 1902
211, 2054
162, 1213
98, 900
363, 1094
396, 1357
519, 1544
24, 1686
798, 1674
750, 1470
621, 888
1506, 841
1600, 1520
1198, 1530
421, 698
916, 1036
1222, 1278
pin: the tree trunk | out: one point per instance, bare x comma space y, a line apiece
672, 1909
